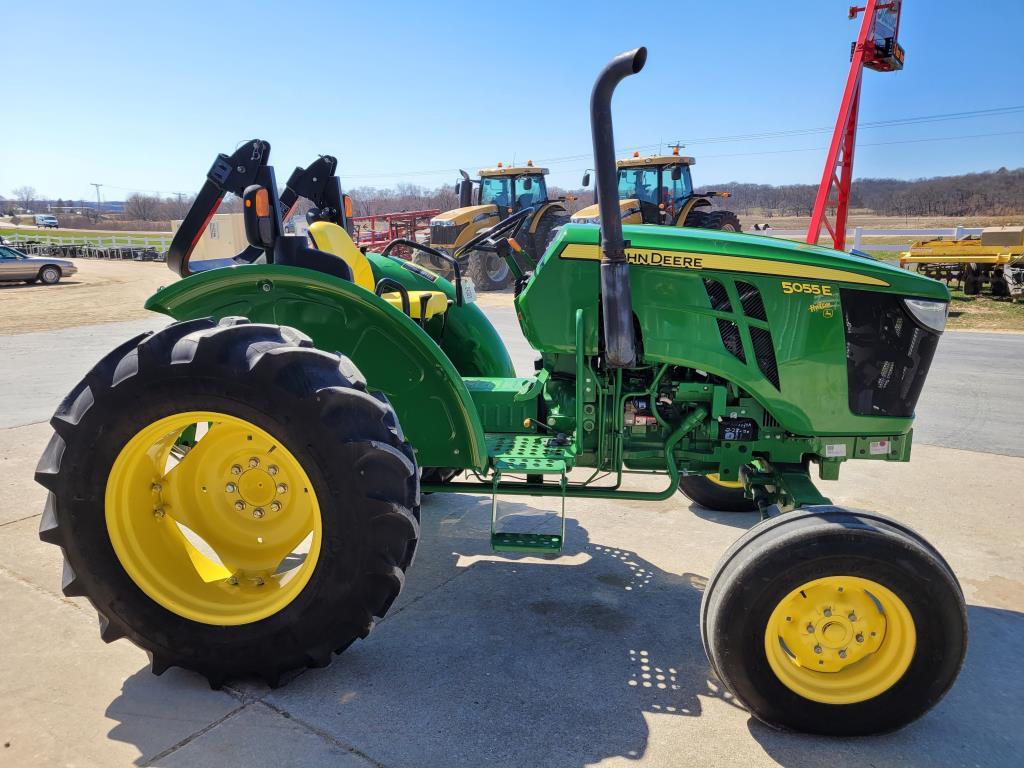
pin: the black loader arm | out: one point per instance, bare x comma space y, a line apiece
229, 174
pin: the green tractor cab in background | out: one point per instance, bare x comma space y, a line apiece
239, 493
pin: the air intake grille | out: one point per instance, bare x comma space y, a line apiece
718, 296
731, 339
887, 354
445, 236
750, 298
764, 353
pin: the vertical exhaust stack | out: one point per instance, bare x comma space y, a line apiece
616, 300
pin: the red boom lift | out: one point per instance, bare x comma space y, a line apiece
876, 48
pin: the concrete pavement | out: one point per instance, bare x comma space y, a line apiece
506, 660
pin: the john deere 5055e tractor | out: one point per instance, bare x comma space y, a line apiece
500, 192
239, 493
658, 189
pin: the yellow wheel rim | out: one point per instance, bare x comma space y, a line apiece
213, 518
724, 483
840, 640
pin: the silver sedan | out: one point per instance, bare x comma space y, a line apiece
15, 265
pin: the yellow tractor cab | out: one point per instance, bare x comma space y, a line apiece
500, 192
658, 189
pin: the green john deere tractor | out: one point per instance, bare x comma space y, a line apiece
501, 191
239, 493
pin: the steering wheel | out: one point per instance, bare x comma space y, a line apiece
490, 239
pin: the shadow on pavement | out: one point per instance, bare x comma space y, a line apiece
509, 660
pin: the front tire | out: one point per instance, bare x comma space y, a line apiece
489, 271
251, 512
830, 622
716, 495
49, 275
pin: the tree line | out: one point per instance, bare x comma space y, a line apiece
989, 193
993, 193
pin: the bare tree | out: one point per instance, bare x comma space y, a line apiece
25, 195
143, 207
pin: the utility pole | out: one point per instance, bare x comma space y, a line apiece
99, 205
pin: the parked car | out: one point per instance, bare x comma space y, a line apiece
15, 265
46, 221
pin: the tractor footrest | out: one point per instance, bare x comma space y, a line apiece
526, 542
528, 454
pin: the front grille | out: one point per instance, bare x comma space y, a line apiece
445, 235
764, 353
887, 354
731, 339
750, 298
717, 295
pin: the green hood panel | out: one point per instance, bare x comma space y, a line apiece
763, 313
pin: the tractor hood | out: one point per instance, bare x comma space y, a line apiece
799, 264
467, 215
592, 214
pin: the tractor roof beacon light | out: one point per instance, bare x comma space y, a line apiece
616, 300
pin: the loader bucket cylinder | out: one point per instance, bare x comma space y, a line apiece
616, 302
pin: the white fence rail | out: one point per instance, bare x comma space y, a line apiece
156, 242
860, 233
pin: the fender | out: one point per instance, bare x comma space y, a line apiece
435, 410
539, 214
696, 201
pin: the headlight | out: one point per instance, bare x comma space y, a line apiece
931, 314
442, 223
587, 220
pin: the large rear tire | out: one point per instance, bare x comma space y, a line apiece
727, 221
250, 512
832, 622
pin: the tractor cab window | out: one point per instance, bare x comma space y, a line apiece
675, 191
496, 190
639, 183
535, 195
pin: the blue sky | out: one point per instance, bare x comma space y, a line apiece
141, 96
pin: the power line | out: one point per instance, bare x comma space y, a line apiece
761, 136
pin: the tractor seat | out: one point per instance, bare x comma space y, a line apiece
332, 239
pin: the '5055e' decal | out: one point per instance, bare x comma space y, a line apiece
815, 289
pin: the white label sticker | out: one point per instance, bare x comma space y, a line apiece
835, 450
468, 290
879, 447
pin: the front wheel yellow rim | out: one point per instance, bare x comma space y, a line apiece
714, 478
840, 640
213, 518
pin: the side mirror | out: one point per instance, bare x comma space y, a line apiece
528, 183
586, 179
677, 173
258, 216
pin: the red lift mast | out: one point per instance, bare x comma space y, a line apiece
877, 48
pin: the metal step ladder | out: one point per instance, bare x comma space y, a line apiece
520, 454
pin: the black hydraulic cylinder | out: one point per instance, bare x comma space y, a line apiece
616, 300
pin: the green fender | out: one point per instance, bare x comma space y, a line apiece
397, 357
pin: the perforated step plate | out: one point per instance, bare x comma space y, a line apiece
542, 543
527, 453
